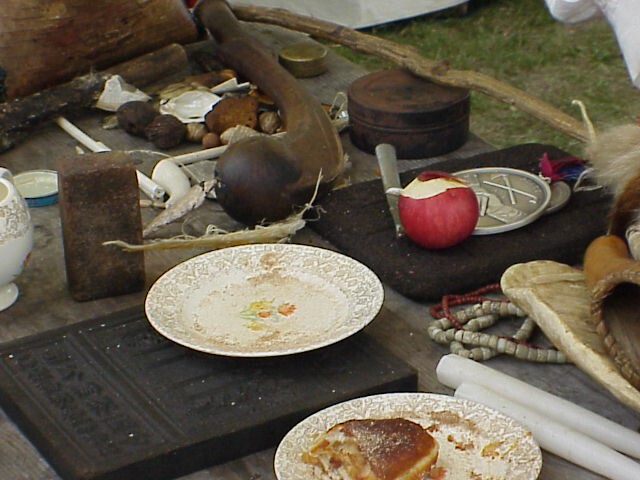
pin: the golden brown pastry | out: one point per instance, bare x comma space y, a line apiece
374, 449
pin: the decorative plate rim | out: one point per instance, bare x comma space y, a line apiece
370, 281
298, 439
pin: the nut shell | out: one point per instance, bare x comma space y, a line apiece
237, 133
196, 132
134, 117
232, 111
269, 122
166, 131
211, 140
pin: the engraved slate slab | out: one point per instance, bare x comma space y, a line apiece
112, 399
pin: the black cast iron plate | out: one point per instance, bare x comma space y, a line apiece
112, 399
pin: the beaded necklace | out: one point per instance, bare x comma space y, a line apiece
462, 327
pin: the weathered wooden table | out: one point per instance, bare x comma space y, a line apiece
45, 304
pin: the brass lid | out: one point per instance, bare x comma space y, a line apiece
304, 59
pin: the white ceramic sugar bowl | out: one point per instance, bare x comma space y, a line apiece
16, 238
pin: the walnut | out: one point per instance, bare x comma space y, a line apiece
196, 132
166, 131
269, 122
133, 117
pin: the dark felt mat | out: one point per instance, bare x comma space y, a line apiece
110, 399
357, 221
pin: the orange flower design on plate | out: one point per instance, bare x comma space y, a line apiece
261, 310
286, 309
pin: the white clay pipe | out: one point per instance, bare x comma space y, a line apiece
555, 437
148, 186
172, 179
453, 370
198, 156
207, 153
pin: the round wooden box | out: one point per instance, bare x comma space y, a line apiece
418, 117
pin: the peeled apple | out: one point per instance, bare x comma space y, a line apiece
438, 210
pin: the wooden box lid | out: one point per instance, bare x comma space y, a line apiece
420, 118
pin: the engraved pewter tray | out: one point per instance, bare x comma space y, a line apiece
264, 300
474, 441
508, 198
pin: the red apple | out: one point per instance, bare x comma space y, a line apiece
438, 210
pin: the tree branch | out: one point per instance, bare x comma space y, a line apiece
407, 57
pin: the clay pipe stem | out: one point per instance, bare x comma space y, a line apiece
265, 178
206, 154
147, 186
408, 57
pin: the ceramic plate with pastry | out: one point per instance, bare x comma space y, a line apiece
408, 436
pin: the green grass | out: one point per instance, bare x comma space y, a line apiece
518, 42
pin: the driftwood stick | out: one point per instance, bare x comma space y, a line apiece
408, 57
19, 114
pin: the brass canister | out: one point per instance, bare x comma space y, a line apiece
304, 59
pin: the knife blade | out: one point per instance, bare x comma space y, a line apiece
387, 161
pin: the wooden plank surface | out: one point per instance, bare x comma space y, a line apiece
401, 326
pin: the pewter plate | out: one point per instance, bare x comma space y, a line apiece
474, 441
264, 300
560, 196
508, 198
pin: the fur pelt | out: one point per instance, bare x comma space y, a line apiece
615, 157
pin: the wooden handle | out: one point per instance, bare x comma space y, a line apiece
266, 178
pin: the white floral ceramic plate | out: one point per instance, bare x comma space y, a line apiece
475, 442
264, 300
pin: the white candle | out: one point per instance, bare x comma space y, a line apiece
453, 370
557, 438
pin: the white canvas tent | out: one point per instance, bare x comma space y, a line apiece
357, 13
623, 16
